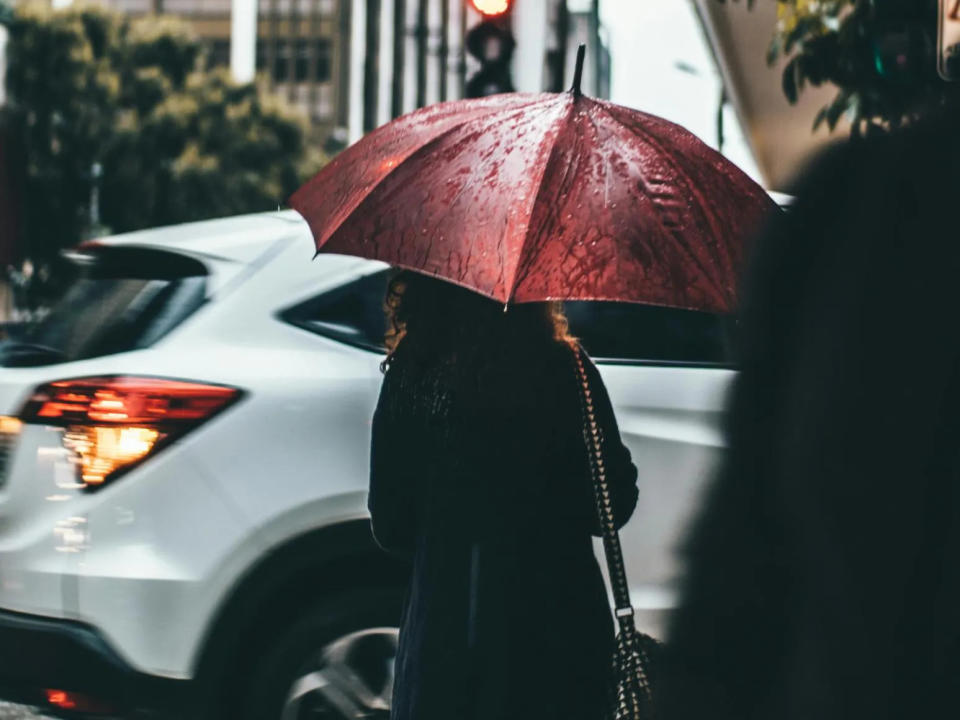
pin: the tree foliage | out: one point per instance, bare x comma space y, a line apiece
880, 54
128, 105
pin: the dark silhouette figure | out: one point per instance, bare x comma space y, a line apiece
479, 474
824, 572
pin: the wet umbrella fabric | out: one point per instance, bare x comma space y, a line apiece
528, 197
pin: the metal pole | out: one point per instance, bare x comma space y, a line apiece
3, 64
563, 39
531, 20
371, 66
385, 79
595, 40
422, 37
444, 48
313, 33
243, 40
355, 35
399, 56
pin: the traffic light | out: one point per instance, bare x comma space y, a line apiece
492, 44
904, 39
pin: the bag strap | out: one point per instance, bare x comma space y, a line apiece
604, 502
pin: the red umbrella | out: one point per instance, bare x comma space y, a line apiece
526, 197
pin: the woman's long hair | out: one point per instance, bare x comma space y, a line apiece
428, 319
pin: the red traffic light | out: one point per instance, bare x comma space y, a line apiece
491, 7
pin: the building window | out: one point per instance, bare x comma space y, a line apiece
322, 51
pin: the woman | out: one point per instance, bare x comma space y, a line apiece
479, 474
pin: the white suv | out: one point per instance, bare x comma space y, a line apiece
183, 467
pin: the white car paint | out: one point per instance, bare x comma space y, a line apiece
150, 559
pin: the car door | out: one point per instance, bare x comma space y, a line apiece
667, 372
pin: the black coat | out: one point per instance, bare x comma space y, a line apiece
485, 485
824, 573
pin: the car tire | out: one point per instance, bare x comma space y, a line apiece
333, 662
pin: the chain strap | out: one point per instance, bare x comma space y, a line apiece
631, 660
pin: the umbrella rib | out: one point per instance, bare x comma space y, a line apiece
691, 184
511, 287
647, 137
425, 146
575, 163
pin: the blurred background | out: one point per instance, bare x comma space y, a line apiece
127, 114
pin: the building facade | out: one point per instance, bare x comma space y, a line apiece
352, 65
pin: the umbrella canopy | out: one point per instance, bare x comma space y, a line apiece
527, 197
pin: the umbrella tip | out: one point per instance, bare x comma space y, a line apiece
578, 72
315, 255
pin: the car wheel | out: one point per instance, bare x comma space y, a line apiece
334, 662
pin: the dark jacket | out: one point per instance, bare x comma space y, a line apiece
824, 572
481, 478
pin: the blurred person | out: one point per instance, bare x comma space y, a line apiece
824, 572
479, 474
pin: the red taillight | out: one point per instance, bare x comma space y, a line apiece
61, 699
114, 423
75, 702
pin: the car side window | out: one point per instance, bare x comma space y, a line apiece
646, 333
351, 313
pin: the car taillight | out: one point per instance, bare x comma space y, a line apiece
113, 423
9, 431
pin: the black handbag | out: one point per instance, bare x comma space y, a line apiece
636, 652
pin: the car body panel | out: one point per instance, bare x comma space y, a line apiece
669, 418
150, 559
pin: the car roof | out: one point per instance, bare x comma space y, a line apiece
241, 239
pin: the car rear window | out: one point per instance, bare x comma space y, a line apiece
612, 331
352, 313
120, 299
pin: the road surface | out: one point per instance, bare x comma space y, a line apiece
17, 712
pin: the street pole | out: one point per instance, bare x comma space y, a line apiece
3, 64
595, 40
530, 27
243, 40
356, 59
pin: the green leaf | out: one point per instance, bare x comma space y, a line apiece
176, 141
773, 50
789, 81
821, 116
836, 109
